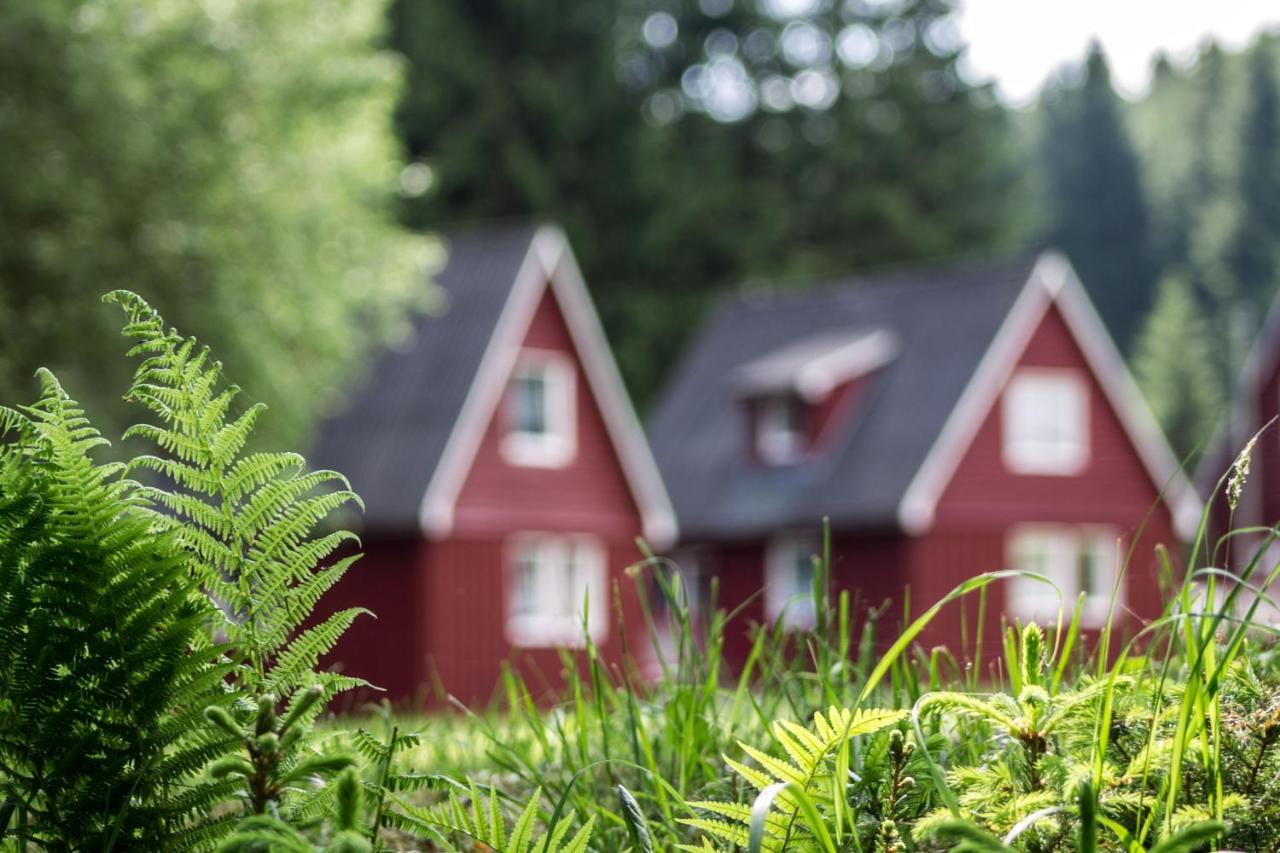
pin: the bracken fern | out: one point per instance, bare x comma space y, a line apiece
101, 689
250, 519
480, 819
815, 769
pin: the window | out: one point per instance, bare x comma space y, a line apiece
1046, 422
788, 591
540, 411
779, 427
550, 579
1076, 560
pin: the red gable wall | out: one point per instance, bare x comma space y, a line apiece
442, 604
984, 501
465, 594
1114, 485
590, 494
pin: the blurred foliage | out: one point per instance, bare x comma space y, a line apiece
1174, 362
1208, 144
232, 161
1254, 253
1099, 212
691, 146
235, 162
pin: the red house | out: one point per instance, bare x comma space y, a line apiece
949, 421
505, 479
1255, 406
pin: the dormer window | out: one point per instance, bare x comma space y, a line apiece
540, 411
1046, 422
789, 392
779, 430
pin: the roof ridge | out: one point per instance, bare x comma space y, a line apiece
765, 293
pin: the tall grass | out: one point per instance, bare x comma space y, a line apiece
1164, 738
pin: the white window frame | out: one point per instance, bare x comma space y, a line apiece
775, 443
556, 615
783, 598
1063, 546
557, 445
1037, 386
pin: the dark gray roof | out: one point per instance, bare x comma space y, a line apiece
390, 434
944, 319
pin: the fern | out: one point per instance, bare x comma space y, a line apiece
101, 738
249, 520
267, 833
382, 778
480, 819
809, 764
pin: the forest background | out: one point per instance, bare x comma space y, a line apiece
265, 171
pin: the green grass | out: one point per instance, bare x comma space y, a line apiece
1162, 739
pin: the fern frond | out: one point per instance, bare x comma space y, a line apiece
100, 627
988, 708
481, 820
249, 519
734, 833
810, 765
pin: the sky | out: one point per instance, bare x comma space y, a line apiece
1019, 43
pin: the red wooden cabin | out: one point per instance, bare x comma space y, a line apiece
948, 421
505, 479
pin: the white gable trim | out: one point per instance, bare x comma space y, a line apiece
920, 501
435, 514
1052, 281
620, 419
1127, 400
549, 259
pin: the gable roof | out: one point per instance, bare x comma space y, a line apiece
958, 330
408, 433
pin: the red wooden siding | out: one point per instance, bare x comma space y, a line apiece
739, 568
589, 495
1114, 487
467, 573
831, 414
466, 596
1259, 504
387, 651
870, 566
984, 500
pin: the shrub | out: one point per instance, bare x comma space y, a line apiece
148, 631
104, 667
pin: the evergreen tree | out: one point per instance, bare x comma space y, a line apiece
1176, 364
1207, 175
689, 146
232, 160
1098, 209
1252, 255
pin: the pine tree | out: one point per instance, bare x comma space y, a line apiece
1178, 366
1098, 208
1204, 185
590, 113
1252, 255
